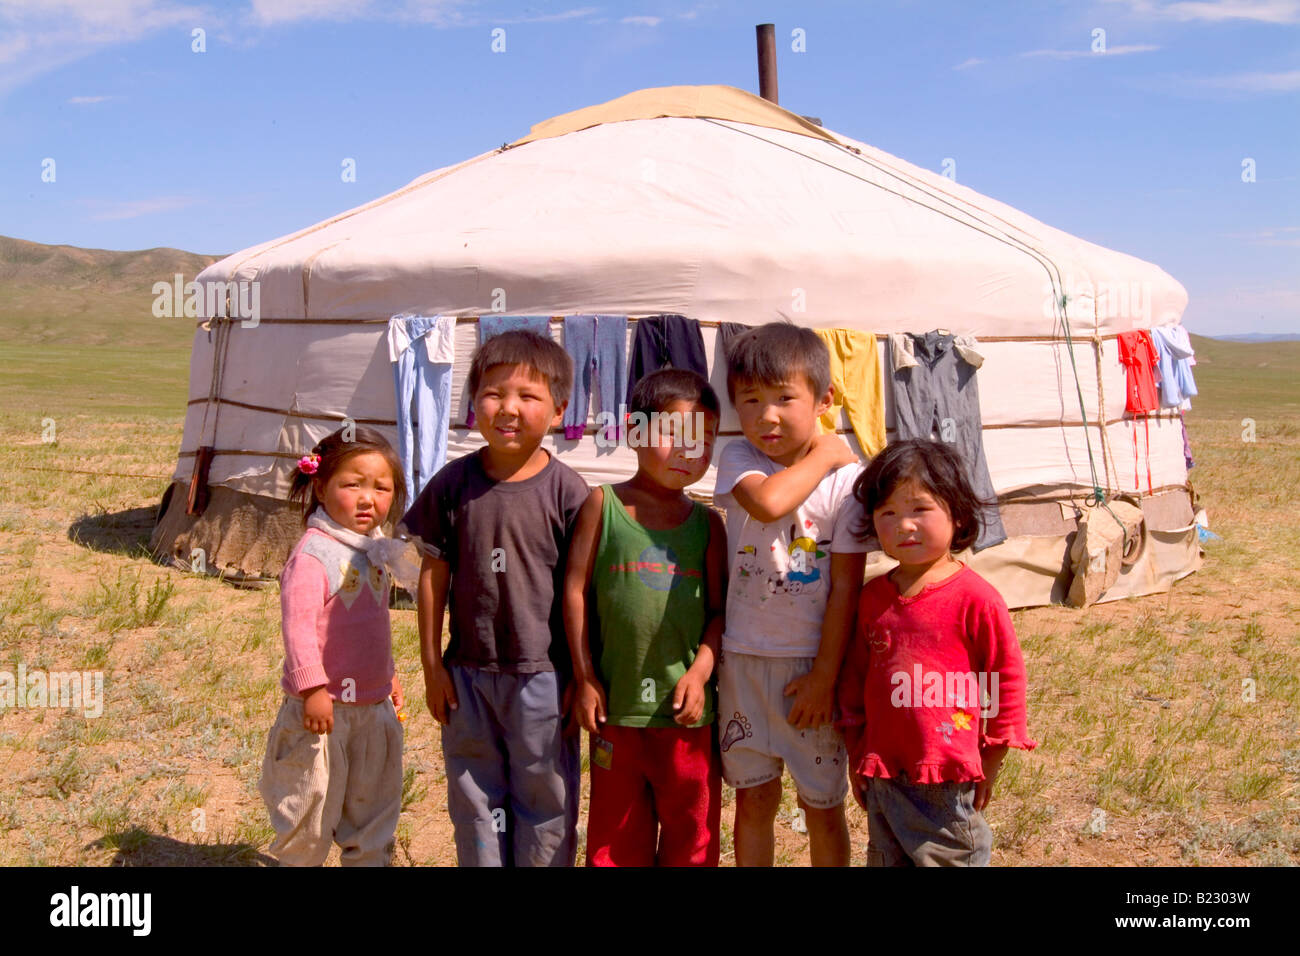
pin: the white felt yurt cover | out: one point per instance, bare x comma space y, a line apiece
711, 203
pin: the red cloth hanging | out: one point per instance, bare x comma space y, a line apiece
1137, 353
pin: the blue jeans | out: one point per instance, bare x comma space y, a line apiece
414, 376
599, 343
925, 824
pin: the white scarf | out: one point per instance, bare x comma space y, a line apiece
398, 556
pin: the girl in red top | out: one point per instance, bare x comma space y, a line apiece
932, 692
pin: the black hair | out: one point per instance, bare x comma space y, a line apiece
335, 449
658, 390
540, 353
777, 352
935, 466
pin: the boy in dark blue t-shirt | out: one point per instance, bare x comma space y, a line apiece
494, 528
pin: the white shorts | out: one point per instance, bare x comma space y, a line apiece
757, 740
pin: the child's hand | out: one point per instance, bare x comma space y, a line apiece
834, 447
398, 697
318, 711
440, 694
688, 699
992, 760
590, 705
814, 699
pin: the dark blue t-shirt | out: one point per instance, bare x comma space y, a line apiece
507, 543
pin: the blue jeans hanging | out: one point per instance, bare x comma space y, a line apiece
429, 384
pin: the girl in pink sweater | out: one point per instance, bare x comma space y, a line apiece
932, 692
333, 766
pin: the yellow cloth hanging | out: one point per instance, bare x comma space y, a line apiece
855, 374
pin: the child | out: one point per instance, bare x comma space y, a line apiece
333, 765
933, 638
494, 528
656, 563
796, 567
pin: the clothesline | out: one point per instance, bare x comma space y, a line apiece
704, 323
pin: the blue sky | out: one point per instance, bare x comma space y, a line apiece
1139, 148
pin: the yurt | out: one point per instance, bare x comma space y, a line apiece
713, 207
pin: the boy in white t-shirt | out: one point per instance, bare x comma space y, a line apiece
795, 569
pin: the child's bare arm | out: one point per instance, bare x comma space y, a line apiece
815, 691
772, 497
688, 695
991, 758
849, 688
589, 703
431, 607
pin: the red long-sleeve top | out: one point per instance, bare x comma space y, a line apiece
916, 674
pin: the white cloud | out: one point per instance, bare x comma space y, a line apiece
967, 64
270, 12
37, 36
1287, 82
1217, 11
113, 209
1109, 51
87, 100
1281, 236
447, 13
643, 21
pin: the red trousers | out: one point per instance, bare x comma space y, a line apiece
664, 779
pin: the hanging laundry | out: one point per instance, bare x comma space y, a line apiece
664, 341
422, 350
855, 375
490, 325
936, 394
596, 343
1187, 445
1137, 353
1174, 362
903, 355
726, 332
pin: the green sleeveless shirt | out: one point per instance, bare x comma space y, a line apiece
650, 598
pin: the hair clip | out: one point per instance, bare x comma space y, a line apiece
308, 464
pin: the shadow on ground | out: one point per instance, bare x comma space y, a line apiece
122, 532
139, 847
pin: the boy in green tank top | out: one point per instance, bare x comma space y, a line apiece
643, 606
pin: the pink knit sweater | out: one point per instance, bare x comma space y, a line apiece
334, 617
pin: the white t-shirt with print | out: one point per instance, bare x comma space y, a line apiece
779, 572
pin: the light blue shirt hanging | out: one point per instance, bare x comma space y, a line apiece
422, 349
1174, 353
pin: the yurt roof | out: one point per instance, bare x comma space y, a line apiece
710, 202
